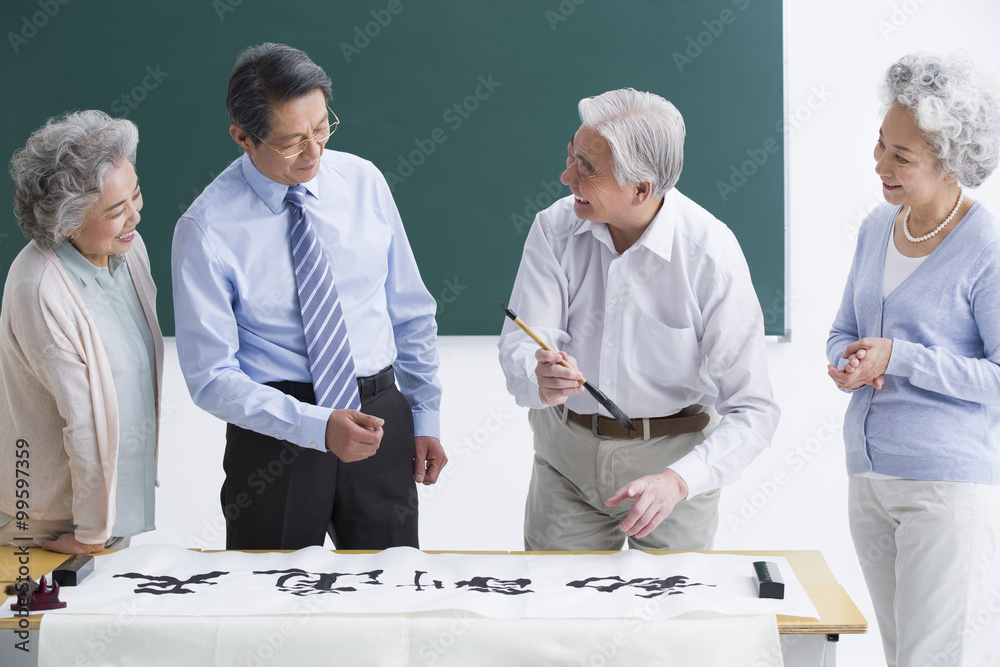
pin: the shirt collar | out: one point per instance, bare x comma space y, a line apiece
271, 192
79, 266
658, 237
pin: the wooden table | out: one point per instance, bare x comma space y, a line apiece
838, 613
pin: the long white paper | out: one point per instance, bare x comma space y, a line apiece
172, 581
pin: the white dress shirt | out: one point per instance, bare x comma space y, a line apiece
236, 307
671, 322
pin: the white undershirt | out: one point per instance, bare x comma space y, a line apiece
898, 268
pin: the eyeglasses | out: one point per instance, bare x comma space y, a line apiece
320, 139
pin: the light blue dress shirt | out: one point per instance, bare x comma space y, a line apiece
113, 304
236, 307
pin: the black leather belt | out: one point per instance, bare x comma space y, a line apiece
373, 384
652, 427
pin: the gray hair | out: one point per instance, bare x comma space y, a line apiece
59, 174
645, 132
956, 109
266, 75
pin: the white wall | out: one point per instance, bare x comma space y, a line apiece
794, 495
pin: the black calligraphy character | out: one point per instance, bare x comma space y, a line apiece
416, 582
654, 587
591, 582
670, 585
494, 585
170, 585
299, 582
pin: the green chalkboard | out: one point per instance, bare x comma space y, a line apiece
466, 106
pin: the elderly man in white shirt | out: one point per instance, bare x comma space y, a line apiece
651, 296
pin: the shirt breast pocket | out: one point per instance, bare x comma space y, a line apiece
666, 353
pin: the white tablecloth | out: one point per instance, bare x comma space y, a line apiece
435, 638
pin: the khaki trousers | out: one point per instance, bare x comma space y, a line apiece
575, 472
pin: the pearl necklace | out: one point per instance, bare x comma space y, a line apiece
906, 218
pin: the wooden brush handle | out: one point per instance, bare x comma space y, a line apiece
542, 343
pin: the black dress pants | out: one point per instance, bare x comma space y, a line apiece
278, 495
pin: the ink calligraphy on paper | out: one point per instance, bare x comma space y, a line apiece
405, 580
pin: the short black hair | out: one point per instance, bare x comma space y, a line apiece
266, 75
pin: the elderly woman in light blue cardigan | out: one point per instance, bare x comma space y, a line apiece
917, 341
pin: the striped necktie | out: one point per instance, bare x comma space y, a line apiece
330, 362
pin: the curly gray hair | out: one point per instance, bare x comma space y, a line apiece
955, 107
59, 174
645, 132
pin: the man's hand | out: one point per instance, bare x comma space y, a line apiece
68, 544
867, 361
556, 383
428, 459
655, 497
352, 435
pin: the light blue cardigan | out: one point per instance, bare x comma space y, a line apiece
938, 415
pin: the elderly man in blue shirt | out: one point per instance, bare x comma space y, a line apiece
298, 305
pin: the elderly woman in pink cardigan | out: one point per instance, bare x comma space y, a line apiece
81, 353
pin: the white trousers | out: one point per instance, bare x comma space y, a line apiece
575, 472
929, 553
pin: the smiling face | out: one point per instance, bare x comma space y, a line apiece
589, 175
292, 122
109, 226
907, 167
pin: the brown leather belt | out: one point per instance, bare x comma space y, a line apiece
652, 427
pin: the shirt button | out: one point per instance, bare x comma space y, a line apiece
611, 343
314, 445
607, 383
614, 299
277, 435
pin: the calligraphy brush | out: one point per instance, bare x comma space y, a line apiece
615, 411
24, 589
